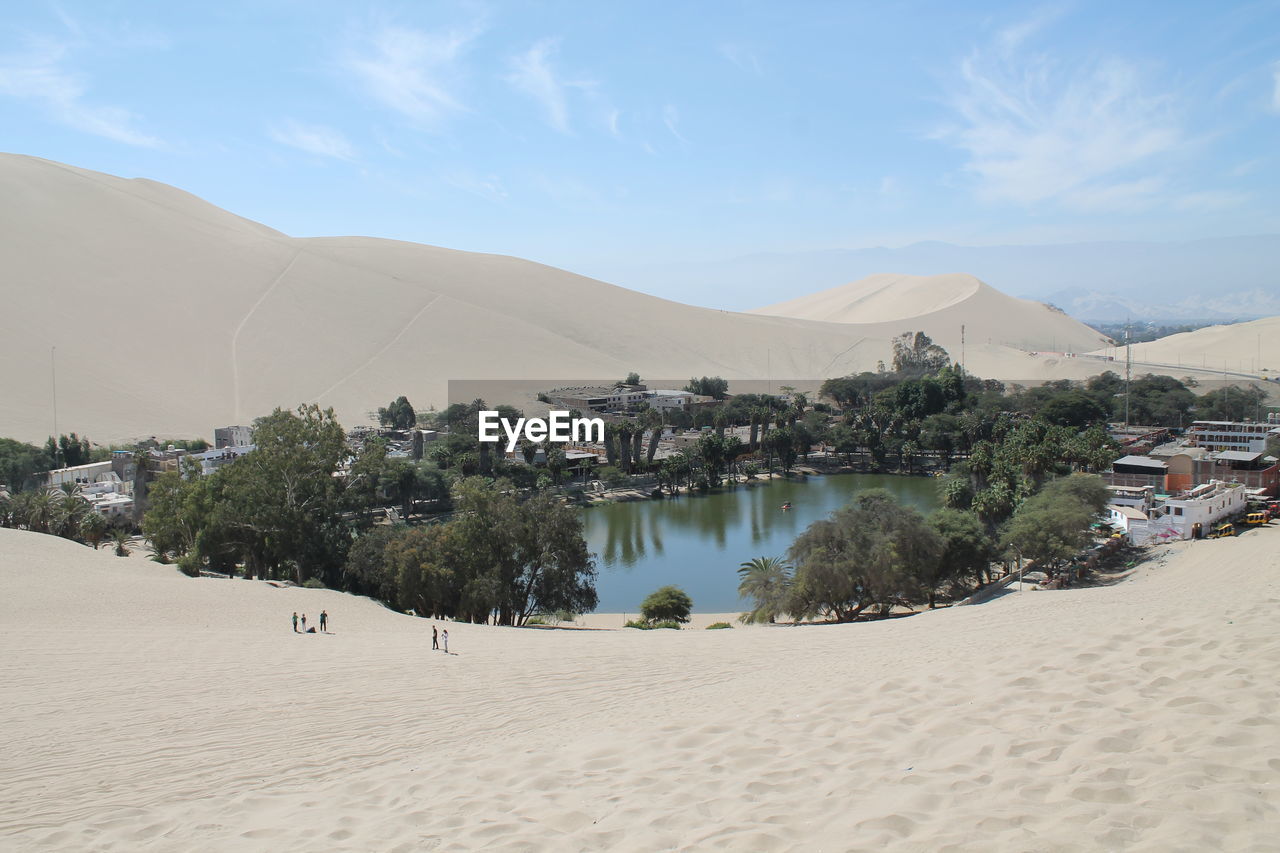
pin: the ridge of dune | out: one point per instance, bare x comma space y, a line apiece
939, 305
151, 710
1240, 347
162, 314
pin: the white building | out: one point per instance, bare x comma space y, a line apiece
212, 460
80, 474
1194, 513
1132, 522
1250, 437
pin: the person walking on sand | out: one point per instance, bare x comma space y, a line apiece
435, 639
444, 638
295, 621
324, 621
304, 623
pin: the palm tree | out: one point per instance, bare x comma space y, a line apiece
94, 529
767, 580
39, 511
653, 422
70, 511
120, 537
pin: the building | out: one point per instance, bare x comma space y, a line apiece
1141, 471
1193, 514
79, 474
1132, 522
1245, 436
232, 436
626, 398
212, 460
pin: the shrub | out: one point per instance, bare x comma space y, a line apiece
537, 619
650, 626
656, 494
716, 626
189, 565
313, 583
669, 603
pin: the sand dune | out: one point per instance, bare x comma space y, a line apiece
938, 305
146, 711
1240, 347
171, 317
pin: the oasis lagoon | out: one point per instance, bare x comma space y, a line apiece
697, 542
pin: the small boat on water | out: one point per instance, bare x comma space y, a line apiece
787, 505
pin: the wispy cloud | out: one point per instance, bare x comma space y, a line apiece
489, 187
671, 118
741, 56
43, 74
313, 138
532, 74
1080, 134
1275, 87
411, 71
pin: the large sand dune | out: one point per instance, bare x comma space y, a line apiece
143, 710
939, 305
171, 317
1240, 347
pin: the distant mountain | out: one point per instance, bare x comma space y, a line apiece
1213, 279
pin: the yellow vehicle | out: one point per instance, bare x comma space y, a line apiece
1222, 530
1256, 518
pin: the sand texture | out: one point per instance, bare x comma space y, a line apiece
171, 317
146, 711
1240, 347
938, 305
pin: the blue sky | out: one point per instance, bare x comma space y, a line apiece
596, 136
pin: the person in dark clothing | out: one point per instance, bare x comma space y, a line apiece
295, 621
435, 638
324, 621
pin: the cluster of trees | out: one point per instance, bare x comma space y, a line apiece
60, 512
285, 511
875, 553
499, 557
708, 386
398, 414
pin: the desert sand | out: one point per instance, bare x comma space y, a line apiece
143, 710
165, 315
1252, 348
938, 305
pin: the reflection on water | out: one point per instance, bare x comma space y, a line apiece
698, 542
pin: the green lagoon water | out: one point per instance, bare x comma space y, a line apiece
697, 542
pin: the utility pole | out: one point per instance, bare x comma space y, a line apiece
53, 384
1128, 374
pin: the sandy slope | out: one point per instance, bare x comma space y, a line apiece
1244, 347
146, 711
171, 317
939, 305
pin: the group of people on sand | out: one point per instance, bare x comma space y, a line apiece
438, 637
324, 624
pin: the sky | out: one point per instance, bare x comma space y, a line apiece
600, 136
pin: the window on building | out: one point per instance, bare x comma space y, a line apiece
1177, 510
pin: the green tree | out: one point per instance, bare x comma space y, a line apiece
398, 414
872, 552
967, 550
1056, 523
767, 582
667, 604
